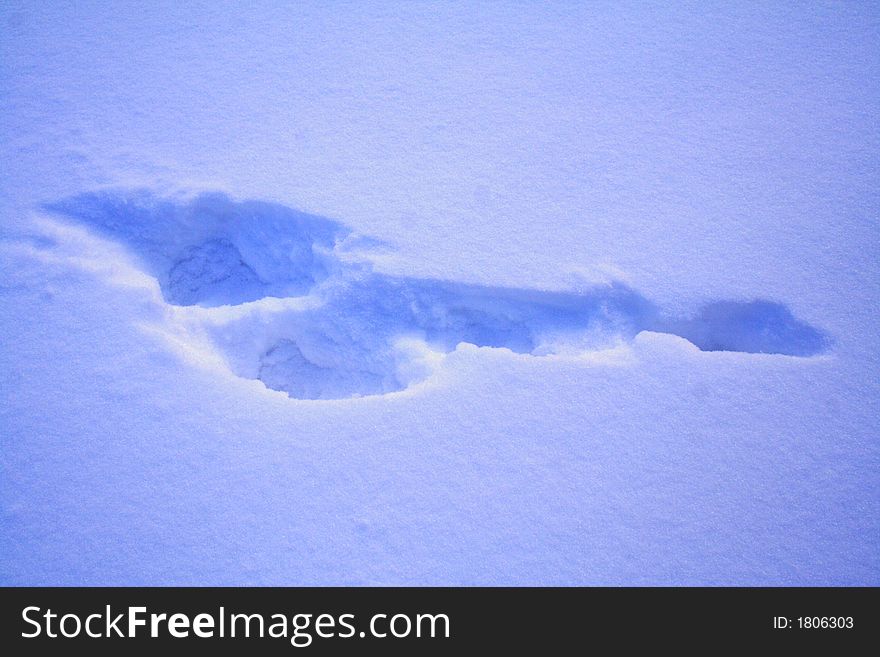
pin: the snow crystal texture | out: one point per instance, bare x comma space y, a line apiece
479, 293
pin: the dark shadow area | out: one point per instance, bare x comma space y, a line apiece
213, 251
755, 327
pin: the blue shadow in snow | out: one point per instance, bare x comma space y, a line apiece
214, 251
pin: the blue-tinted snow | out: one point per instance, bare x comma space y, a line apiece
439, 294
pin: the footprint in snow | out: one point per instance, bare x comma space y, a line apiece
212, 251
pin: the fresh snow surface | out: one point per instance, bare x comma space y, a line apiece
438, 294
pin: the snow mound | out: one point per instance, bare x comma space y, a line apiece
353, 333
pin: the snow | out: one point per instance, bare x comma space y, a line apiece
475, 294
